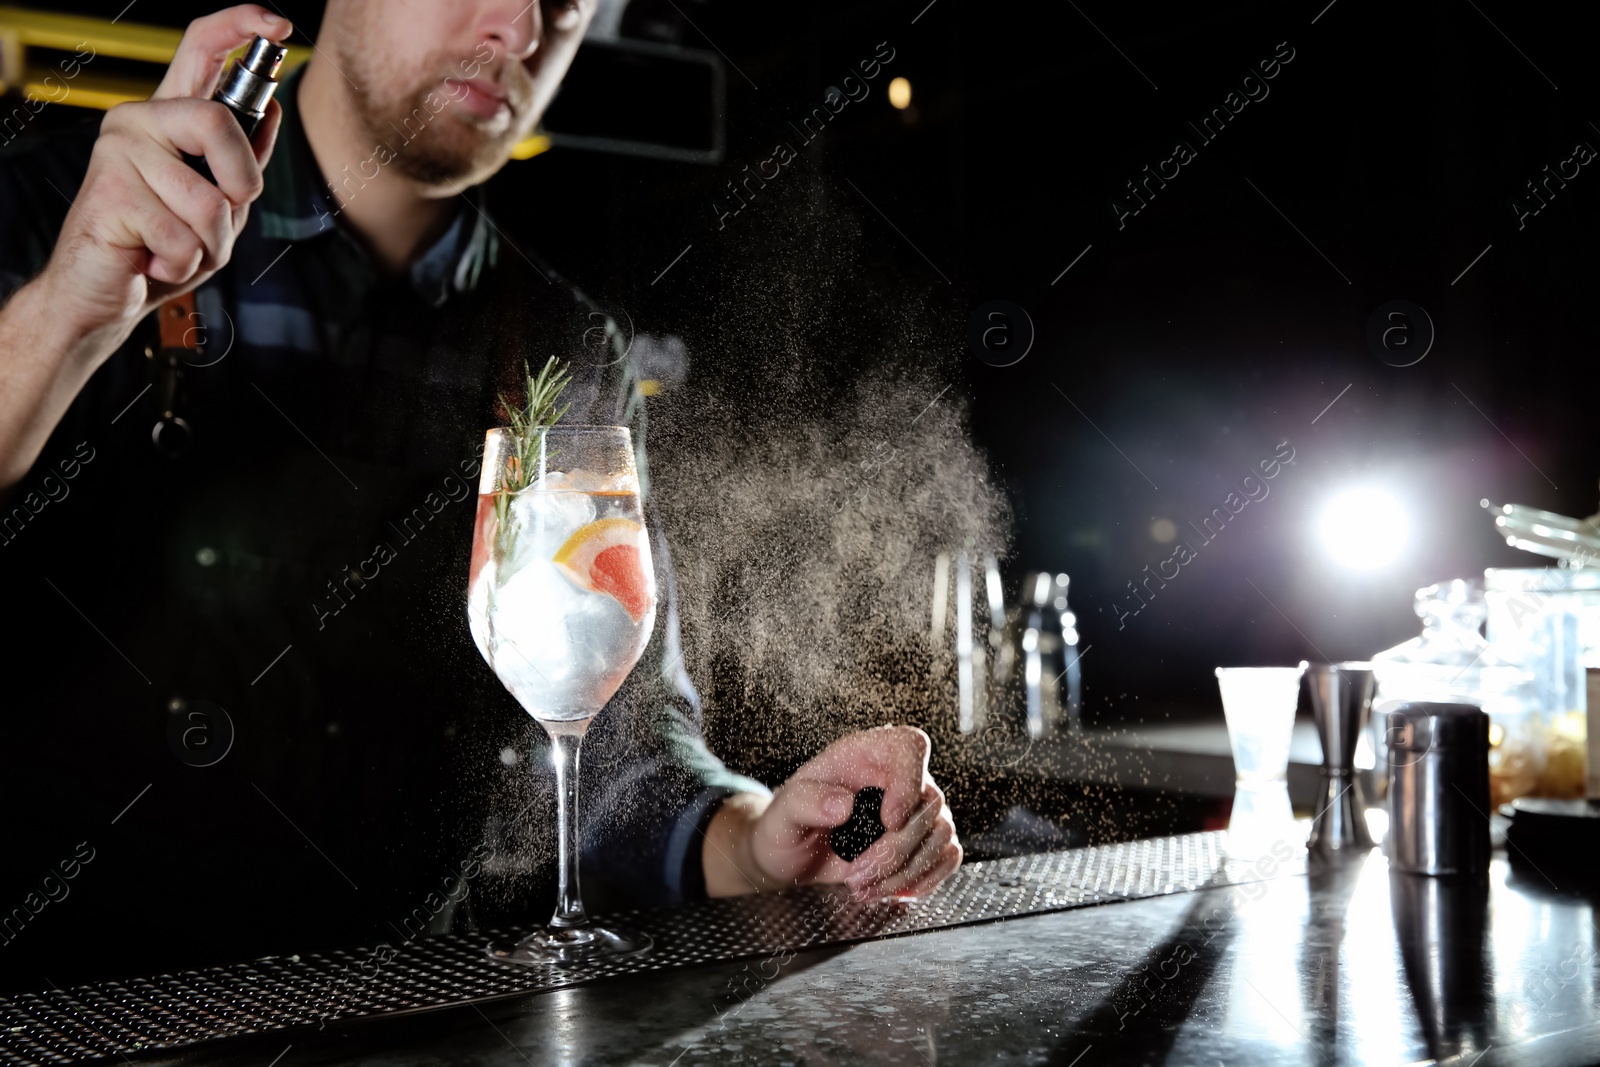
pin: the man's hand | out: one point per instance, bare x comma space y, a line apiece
142, 212
144, 227
754, 844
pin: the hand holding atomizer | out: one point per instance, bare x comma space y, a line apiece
246, 89
142, 229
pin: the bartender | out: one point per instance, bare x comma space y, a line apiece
184, 510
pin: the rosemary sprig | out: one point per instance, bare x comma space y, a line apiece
529, 421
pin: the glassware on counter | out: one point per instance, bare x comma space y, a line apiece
1452, 663
1548, 620
953, 588
972, 695
1035, 641
561, 601
1259, 704
1576, 542
1052, 678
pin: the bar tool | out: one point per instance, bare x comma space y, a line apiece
1052, 678
245, 90
865, 825
250, 83
1341, 700
1438, 789
1027, 653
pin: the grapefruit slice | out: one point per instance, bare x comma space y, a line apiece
604, 557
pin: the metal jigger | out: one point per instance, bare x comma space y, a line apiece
1341, 700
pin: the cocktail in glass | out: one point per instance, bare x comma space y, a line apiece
561, 601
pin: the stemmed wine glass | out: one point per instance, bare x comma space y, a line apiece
561, 601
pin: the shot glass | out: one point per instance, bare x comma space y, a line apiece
1258, 704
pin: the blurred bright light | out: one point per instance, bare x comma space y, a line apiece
1364, 528
900, 93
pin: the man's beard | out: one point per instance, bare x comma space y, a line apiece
436, 144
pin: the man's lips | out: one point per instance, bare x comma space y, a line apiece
481, 97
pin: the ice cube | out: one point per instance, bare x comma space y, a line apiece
552, 482
531, 642
563, 499
537, 524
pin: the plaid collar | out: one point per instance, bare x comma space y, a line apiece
295, 205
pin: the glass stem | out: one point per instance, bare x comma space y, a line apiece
565, 741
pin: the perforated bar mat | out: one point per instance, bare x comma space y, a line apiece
122, 1018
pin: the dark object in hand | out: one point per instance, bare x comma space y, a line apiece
245, 89
863, 828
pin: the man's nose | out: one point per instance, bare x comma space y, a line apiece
515, 27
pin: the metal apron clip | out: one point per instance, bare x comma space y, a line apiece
180, 344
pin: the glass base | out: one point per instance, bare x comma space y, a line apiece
578, 944
1262, 822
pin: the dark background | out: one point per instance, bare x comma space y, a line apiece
1208, 329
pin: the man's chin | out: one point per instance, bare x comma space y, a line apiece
465, 160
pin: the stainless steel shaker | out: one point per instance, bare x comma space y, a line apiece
1438, 789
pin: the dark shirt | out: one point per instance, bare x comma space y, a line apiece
374, 757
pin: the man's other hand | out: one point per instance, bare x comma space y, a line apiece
145, 226
754, 843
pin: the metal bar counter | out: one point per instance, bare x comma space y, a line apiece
1159, 951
